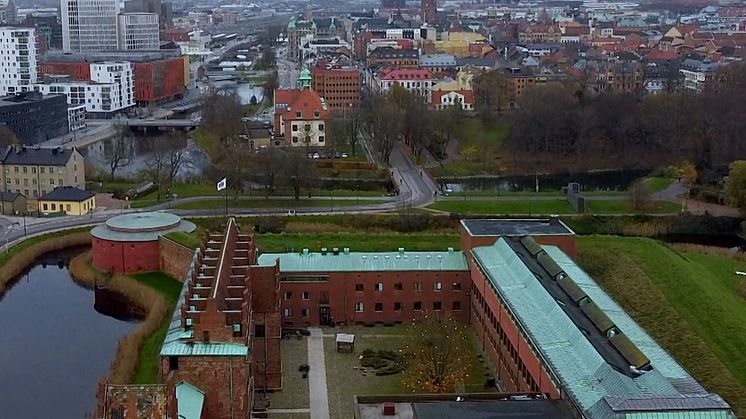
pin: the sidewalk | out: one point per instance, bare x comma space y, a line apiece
317, 375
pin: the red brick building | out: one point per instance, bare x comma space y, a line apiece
157, 78
339, 86
130, 242
300, 117
339, 286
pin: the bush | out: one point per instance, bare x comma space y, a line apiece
269, 225
373, 362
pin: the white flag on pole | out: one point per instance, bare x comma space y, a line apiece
222, 184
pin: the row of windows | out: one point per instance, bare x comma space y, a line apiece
34, 183
399, 306
45, 207
42, 169
416, 286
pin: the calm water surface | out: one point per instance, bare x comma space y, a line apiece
54, 346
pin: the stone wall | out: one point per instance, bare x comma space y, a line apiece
174, 258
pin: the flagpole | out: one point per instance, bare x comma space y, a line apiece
225, 193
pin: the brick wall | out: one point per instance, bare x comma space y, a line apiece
174, 259
128, 257
266, 314
225, 381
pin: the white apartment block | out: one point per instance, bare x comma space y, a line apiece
89, 25
110, 90
139, 31
17, 60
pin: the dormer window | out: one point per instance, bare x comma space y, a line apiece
298, 114
316, 114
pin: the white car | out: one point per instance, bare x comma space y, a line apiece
316, 156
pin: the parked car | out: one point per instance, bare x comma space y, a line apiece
344, 155
316, 156
337, 155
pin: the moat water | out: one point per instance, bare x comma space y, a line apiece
54, 345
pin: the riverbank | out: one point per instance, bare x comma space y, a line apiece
20, 256
135, 359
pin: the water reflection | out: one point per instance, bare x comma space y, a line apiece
55, 345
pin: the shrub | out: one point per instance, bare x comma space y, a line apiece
269, 225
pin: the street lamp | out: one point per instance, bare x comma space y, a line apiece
9, 229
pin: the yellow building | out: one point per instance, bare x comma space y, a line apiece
67, 199
458, 43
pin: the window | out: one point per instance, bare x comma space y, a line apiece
398, 286
286, 312
173, 363
417, 286
295, 139
316, 114
298, 114
288, 295
60, 182
417, 305
456, 286
305, 313
358, 287
33, 170
456, 305
321, 138
305, 295
398, 306
259, 331
359, 307
379, 307
45, 207
321, 127
379, 286
295, 128
15, 169
54, 207
41, 170
51, 181
25, 169
68, 207
437, 305
438, 286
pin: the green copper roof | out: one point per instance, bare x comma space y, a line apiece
176, 342
599, 390
141, 226
189, 401
367, 261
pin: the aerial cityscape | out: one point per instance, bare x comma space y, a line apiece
372, 209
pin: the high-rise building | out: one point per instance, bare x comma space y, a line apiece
164, 10
339, 86
138, 31
89, 25
428, 11
297, 29
7, 12
17, 60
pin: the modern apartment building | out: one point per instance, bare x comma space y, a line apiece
139, 31
89, 25
34, 118
17, 60
34, 171
109, 90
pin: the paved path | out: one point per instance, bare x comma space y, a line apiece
317, 375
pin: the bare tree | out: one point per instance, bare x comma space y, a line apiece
387, 122
298, 171
639, 195
234, 164
222, 115
436, 350
121, 150
157, 162
7, 137
490, 94
268, 167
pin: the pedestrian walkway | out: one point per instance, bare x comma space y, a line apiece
317, 375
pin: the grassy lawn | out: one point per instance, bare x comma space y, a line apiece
276, 203
295, 388
458, 168
527, 194
518, 207
344, 380
623, 207
357, 242
658, 183
189, 240
479, 143
207, 143
691, 303
169, 288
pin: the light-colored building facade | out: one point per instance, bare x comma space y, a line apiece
89, 25
7, 12
139, 32
17, 60
67, 200
414, 81
110, 90
33, 171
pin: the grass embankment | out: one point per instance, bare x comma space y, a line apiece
276, 203
154, 294
21, 255
357, 242
692, 303
188, 240
207, 143
479, 145
623, 207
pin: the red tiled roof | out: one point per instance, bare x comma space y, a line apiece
656, 54
467, 94
405, 74
307, 101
